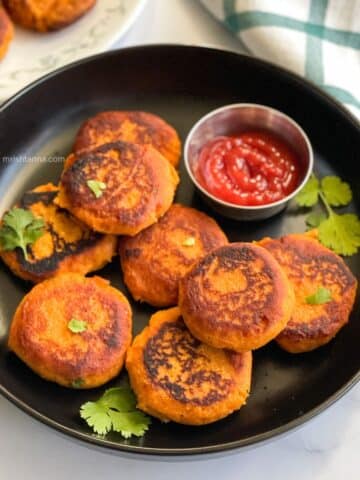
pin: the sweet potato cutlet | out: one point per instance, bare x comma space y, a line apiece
46, 15
66, 245
176, 377
310, 266
131, 126
6, 31
236, 297
41, 336
139, 187
155, 259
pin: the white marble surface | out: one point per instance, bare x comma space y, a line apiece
327, 448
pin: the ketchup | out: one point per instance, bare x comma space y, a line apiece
253, 168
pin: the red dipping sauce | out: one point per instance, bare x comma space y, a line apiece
253, 168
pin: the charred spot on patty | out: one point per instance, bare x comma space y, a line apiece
244, 296
310, 266
173, 362
139, 186
60, 247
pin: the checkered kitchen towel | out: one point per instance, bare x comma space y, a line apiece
318, 39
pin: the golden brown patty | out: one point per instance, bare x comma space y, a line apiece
65, 246
45, 15
139, 187
310, 266
136, 127
41, 336
176, 377
236, 297
6, 31
155, 259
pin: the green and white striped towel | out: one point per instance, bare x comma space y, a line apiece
318, 39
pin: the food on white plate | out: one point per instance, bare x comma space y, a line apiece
47, 15
6, 31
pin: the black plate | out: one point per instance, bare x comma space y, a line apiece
181, 84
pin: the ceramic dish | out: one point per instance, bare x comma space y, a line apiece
32, 55
181, 84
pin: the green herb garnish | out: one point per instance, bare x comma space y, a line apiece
322, 295
78, 383
116, 410
20, 228
96, 187
77, 326
189, 242
339, 232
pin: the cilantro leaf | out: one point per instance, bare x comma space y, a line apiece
116, 410
314, 219
322, 295
309, 194
77, 326
120, 398
20, 228
341, 233
96, 416
96, 187
189, 242
337, 192
77, 383
129, 423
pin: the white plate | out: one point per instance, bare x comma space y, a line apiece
32, 55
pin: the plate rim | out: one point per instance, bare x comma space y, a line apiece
116, 51
255, 440
135, 8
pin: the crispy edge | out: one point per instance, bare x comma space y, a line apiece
305, 337
35, 359
167, 182
157, 403
156, 288
203, 323
169, 145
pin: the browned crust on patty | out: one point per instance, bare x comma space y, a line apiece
40, 336
236, 297
155, 259
47, 15
176, 377
310, 266
6, 31
140, 187
66, 244
129, 126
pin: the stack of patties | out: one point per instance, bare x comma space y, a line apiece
175, 375
193, 363
71, 329
117, 181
